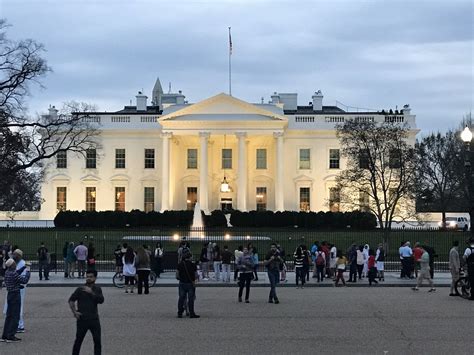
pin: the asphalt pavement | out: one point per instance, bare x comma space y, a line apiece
328, 320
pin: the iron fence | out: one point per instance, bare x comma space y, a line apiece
105, 241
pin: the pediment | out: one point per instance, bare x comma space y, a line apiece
303, 177
119, 177
90, 178
222, 107
60, 177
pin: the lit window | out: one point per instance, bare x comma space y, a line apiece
120, 199
261, 198
334, 199
305, 199
61, 198
305, 158
90, 198
261, 158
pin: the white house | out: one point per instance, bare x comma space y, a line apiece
168, 156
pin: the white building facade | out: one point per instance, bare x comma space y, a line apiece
168, 156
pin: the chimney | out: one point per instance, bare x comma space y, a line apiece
141, 101
275, 98
317, 101
53, 112
406, 109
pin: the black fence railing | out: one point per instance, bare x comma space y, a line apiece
106, 241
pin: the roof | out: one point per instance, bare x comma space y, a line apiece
308, 110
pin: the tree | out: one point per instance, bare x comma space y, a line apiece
380, 173
440, 172
27, 142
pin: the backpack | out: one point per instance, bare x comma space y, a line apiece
319, 259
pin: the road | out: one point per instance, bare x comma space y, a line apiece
321, 320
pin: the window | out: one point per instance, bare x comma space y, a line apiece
61, 160
191, 198
149, 159
119, 158
304, 199
334, 199
363, 201
61, 198
363, 159
120, 199
333, 158
226, 158
305, 158
149, 199
261, 158
91, 159
394, 159
192, 158
261, 197
90, 198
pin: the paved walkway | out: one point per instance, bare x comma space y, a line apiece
168, 280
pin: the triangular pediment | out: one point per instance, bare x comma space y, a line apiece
222, 107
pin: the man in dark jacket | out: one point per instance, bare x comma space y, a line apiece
86, 313
186, 274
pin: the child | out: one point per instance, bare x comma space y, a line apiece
341, 262
371, 267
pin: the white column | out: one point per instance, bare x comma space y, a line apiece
242, 173
203, 173
165, 171
279, 201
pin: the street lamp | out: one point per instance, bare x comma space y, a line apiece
466, 137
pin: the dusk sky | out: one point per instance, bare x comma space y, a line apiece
367, 54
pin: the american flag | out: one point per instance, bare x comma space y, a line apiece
230, 43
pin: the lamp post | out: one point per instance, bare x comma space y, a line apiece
466, 137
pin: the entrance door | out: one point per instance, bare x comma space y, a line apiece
226, 204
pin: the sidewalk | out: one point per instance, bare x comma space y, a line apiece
167, 279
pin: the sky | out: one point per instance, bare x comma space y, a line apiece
375, 54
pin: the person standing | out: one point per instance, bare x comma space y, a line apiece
118, 259
314, 249
81, 255
468, 257
204, 260
217, 260
226, 258
380, 259
332, 261
272, 262
43, 263
17, 257
142, 263
417, 253
83, 303
91, 256
186, 273
299, 270
352, 263
14, 279
306, 261
237, 254
365, 270
158, 257
320, 264
406, 255
424, 272
245, 266
372, 269
66, 266
454, 266
360, 261
341, 262
129, 270
71, 260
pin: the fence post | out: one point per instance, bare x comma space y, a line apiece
56, 250
103, 248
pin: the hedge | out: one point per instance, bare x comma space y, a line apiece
254, 219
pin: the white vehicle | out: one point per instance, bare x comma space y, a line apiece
456, 223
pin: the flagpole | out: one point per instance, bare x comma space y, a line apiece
230, 64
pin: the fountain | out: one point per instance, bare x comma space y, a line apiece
197, 226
